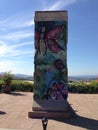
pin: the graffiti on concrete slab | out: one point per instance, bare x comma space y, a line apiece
50, 77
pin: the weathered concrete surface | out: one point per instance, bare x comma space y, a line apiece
50, 15
14, 110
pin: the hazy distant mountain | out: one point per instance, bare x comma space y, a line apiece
23, 76
73, 78
83, 77
70, 78
20, 76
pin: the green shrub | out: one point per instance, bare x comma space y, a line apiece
0, 87
80, 87
23, 86
1, 82
7, 78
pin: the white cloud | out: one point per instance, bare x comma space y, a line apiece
55, 6
59, 4
20, 23
3, 29
14, 51
16, 22
18, 35
28, 23
16, 28
21, 44
10, 65
3, 48
4, 21
6, 65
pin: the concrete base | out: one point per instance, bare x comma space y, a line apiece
49, 115
8, 129
49, 105
51, 109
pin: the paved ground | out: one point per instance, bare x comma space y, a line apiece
14, 110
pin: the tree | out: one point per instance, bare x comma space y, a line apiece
7, 79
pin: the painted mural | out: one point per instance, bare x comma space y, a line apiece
50, 77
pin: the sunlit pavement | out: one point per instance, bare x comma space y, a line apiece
14, 110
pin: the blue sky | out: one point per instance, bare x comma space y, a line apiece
17, 34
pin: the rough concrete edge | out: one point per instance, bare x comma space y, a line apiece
53, 114
9, 129
48, 105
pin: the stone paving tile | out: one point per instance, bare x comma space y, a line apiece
14, 110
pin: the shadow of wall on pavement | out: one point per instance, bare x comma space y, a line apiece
16, 94
80, 121
2, 112
83, 122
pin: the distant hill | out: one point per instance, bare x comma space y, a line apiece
20, 76
70, 78
83, 77
23, 76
